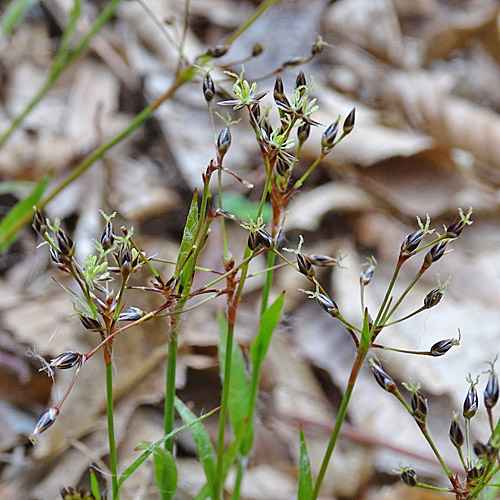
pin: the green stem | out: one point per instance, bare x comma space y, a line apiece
269, 281
358, 362
387, 294
170, 385
423, 428
218, 493
240, 469
429, 487
111, 430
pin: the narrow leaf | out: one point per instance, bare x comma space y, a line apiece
165, 473
202, 441
94, 485
305, 476
239, 389
14, 14
188, 240
19, 210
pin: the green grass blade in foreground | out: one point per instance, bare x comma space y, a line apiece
188, 238
151, 447
202, 441
165, 473
20, 209
239, 388
14, 14
305, 476
94, 485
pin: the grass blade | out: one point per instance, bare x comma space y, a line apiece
305, 476
19, 210
165, 473
188, 238
14, 14
202, 441
94, 485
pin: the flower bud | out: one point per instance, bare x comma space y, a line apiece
435, 253
433, 298
107, 236
131, 314
282, 167
208, 88
255, 111
411, 242
419, 407
223, 143
265, 239
471, 403
367, 275
491, 391
257, 50
455, 230
409, 477
382, 378
305, 266
279, 91
125, 260
39, 223
300, 83
90, 323
253, 242
349, 121
328, 138
303, 132
65, 243
442, 347
328, 304
217, 51
480, 449
45, 420
456, 434
66, 360
322, 260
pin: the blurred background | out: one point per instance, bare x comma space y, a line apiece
424, 78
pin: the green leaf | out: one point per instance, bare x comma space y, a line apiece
165, 473
239, 390
202, 441
14, 14
188, 239
243, 208
19, 210
151, 447
94, 485
305, 476
268, 323
8, 187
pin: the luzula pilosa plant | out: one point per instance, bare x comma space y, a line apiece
102, 306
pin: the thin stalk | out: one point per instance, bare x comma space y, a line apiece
218, 493
435, 488
356, 367
308, 172
269, 281
240, 469
170, 386
111, 430
387, 294
428, 438
468, 443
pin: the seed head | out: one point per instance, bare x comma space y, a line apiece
455, 230
349, 121
131, 314
305, 266
456, 434
442, 347
45, 420
410, 243
107, 236
265, 239
39, 223
90, 323
435, 253
300, 83
433, 298
253, 241
328, 304
328, 138
382, 378
491, 391
322, 260
471, 403
66, 360
223, 143
208, 88
419, 406
409, 477
303, 132
65, 243
279, 91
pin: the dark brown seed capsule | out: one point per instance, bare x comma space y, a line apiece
39, 223
456, 434
322, 260
66, 360
279, 91
329, 135
208, 88
471, 403
257, 50
217, 51
265, 239
303, 132
349, 121
266, 128
455, 230
442, 347
253, 241
45, 420
382, 378
223, 143
125, 260
65, 243
131, 314
474, 474
90, 323
411, 242
409, 477
491, 391
107, 236
328, 305
57, 259
419, 406
433, 298
435, 253
305, 266
300, 83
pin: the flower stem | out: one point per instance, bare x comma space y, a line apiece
111, 430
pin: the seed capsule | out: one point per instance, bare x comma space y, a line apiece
419, 407
223, 143
303, 132
409, 477
471, 403
491, 391
45, 420
433, 298
65, 243
90, 323
253, 241
455, 230
300, 83
279, 91
305, 266
125, 260
349, 121
382, 378
39, 223
265, 239
329, 135
322, 260
66, 360
208, 88
131, 314
367, 275
282, 167
328, 305
442, 347
480, 449
255, 111
456, 434
107, 236
411, 242
435, 253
